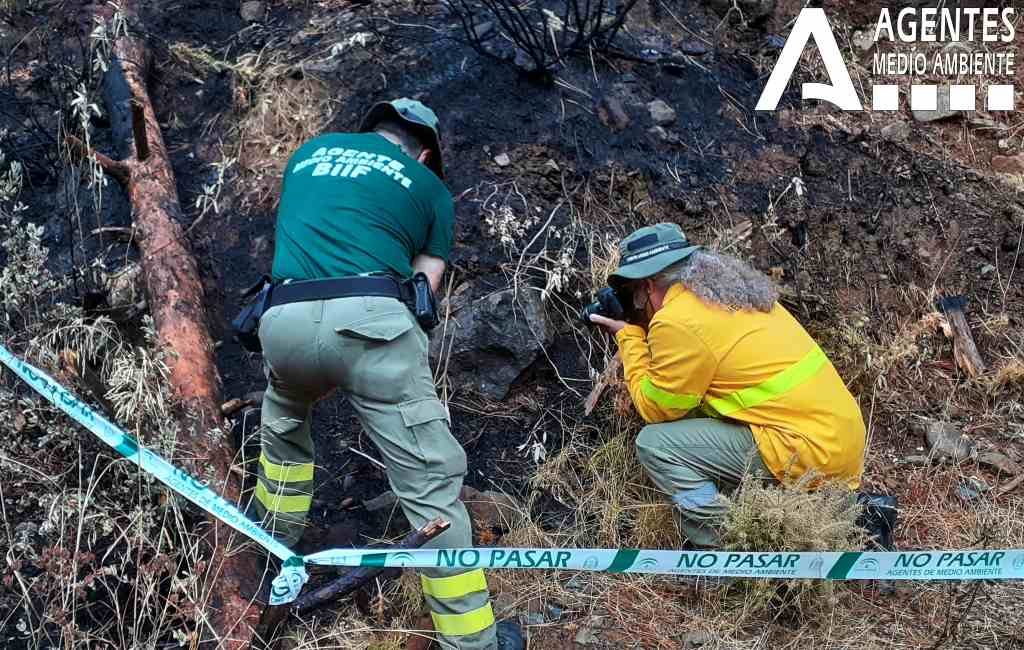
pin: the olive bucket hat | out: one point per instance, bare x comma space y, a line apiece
650, 250
416, 115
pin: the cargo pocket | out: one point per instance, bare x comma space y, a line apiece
382, 327
427, 421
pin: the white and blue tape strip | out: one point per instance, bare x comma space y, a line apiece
1002, 564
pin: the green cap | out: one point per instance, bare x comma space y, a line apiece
418, 116
650, 250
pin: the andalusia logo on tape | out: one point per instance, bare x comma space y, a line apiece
955, 58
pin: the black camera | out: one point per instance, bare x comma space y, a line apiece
608, 304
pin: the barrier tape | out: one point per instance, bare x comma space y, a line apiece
1004, 564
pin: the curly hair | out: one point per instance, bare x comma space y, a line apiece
721, 280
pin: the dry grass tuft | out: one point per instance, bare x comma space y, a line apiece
1007, 376
284, 113
770, 517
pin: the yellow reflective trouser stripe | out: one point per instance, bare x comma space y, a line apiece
281, 503
682, 401
463, 624
454, 586
286, 473
773, 387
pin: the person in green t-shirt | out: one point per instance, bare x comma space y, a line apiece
369, 203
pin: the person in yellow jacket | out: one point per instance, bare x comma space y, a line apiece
728, 381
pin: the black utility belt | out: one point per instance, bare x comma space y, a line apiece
414, 292
330, 288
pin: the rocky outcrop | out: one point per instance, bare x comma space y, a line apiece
487, 343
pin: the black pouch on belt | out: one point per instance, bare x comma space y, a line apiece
246, 324
421, 301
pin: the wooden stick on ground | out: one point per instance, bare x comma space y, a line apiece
608, 377
361, 575
171, 278
964, 349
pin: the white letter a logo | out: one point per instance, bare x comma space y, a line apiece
811, 23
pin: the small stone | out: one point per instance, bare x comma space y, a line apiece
947, 442
385, 500
1003, 144
503, 603
1008, 164
942, 110
695, 640
663, 134
586, 636
896, 132
916, 460
252, 11
967, 493
482, 30
612, 113
692, 48
502, 160
575, 583
661, 113
554, 613
491, 512
999, 463
864, 40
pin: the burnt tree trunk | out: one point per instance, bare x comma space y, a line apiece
172, 281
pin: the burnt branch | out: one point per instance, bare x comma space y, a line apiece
539, 36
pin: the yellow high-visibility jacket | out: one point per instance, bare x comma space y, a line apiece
759, 368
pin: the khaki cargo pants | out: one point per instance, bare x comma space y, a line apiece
376, 353
694, 461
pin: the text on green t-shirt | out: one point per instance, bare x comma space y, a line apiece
354, 203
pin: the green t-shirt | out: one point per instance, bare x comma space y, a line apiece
354, 203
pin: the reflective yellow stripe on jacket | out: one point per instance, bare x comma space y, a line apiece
773, 388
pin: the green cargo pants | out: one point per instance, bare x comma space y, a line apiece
694, 461
376, 353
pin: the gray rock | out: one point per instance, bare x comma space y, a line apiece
252, 11
942, 110
999, 463
896, 132
661, 113
384, 501
947, 442
612, 113
502, 160
492, 340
